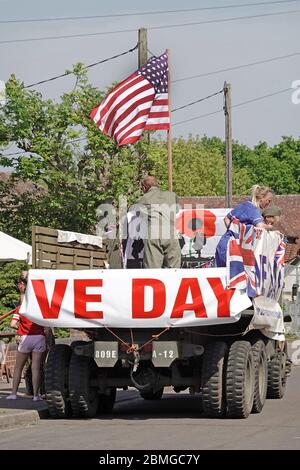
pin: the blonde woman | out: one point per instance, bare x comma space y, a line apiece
249, 213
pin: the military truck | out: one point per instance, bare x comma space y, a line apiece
231, 372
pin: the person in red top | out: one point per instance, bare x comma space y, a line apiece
32, 341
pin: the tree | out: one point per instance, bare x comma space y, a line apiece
72, 164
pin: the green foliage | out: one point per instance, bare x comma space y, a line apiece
9, 295
61, 332
9, 273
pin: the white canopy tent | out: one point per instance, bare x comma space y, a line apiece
12, 249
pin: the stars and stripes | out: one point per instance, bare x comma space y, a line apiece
137, 104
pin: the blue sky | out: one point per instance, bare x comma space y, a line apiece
195, 50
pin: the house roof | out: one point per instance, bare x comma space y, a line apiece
289, 222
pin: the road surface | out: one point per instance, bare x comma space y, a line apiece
171, 423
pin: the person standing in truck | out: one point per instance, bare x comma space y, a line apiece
158, 208
249, 213
271, 215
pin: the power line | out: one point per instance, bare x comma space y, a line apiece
252, 100
237, 67
261, 97
85, 67
28, 151
198, 117
197, 101
150, 28
143, 13
233, 106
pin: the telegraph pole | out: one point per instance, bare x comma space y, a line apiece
142, 48
228, 143
142, 59
170, 160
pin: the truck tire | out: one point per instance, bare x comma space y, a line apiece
150, 395
84, 398
213, 373
240, 380
56, 381
261, 375
277, 376
106, 402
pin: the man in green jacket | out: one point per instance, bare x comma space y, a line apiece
161, 246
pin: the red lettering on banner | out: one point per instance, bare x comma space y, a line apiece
49, 310
81, 298
223, 296
138, 298
180, 305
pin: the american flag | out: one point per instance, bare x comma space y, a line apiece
137, 104
241, 259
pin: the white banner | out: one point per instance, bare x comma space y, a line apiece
268, 318
131, 298
269, 248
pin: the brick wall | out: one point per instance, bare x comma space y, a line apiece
11, 355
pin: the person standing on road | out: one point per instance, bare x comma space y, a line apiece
32, 341
161, 247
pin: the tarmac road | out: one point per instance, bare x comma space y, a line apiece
171, 423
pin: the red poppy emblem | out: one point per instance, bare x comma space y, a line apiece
193, 221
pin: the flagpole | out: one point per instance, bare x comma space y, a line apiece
170, 162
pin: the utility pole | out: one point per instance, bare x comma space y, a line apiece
228, 143
170, 160
142, 59
143, 47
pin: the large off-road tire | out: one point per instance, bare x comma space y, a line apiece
150, 395
83, 397
56, 381
261, 375
106, 402
213, 374
240, 379
277, 376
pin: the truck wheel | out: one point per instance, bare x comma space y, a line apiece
150, 395
277, 376
240, 380
213, 396
56, 381
261, 375
106, 402
83, 397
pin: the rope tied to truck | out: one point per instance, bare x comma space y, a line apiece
134, 350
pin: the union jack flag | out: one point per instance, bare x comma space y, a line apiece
240, 258
279, 255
